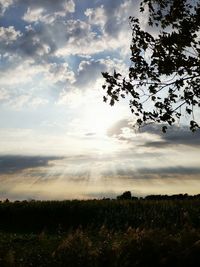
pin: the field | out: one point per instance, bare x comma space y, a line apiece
96, 233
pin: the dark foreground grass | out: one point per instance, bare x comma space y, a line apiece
133, 247
100, 233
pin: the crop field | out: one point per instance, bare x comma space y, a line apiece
98, 233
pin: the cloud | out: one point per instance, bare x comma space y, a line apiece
59, 72
72, 36
71, 97
53, 177
34, 53
26, 100
13, 164
85, 90
36, 49
32, 45
172, 171
37, 43
116, 129
176, 135
42, 44
96, 16
4, 94
112, 17
159, 173
33, 15
39, 11
21, 74
25, 74
69, 36
112, 20
79, 39
88, 72
9, 35
50, 5
4, 5
152, 135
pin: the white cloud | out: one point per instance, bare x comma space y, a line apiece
37, 102
9, 35
4, 94
96, 16
22, 73
5, 4
69, 6
33, 15
114, 64
27, 71
18, 102
71, 97
74, 36
39, 11
59, 73
81, 39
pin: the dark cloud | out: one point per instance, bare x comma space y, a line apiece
174, 172
157, 144
174, 136
89, 68
116, 129
90, 134
37, 43
115, 10
11, 164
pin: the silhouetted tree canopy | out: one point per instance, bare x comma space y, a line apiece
125, 195
163, 81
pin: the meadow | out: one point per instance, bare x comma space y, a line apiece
93, 233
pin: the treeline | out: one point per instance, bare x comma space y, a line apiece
128, 195
173, 197
62, 216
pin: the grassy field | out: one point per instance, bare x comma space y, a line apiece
98, 233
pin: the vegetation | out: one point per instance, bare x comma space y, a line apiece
61, 216
133, 232
162, 84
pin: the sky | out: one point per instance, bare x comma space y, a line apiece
58, 139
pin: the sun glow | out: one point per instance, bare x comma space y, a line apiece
100, 117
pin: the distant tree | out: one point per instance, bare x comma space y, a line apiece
163, 82
125, 195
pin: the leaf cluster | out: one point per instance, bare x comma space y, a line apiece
163, 80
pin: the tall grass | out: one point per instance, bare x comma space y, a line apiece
100, 233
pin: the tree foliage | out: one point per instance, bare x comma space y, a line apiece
163, 81
126, 195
